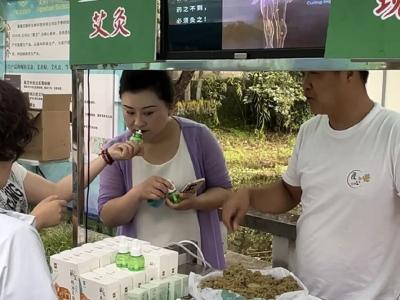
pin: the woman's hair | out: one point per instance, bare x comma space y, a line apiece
158, 82
16, 126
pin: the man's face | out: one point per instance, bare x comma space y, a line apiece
5, 170
322, 89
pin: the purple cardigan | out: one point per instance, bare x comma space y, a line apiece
208, 162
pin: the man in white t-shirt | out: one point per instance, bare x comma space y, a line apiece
345, 171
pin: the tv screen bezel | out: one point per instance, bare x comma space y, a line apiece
275, 53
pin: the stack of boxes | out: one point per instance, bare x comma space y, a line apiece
89, 272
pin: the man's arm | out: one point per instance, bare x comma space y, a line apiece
276, 198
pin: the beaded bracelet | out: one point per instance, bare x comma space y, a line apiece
106, 156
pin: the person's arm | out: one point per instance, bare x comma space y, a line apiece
121, 210
49, 212
37, 188
218, 183
213, 198
275, 198
283, 197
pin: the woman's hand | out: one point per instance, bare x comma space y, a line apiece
49, 212
188, 201
125, 151
153, 188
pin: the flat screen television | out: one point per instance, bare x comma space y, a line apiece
212, 29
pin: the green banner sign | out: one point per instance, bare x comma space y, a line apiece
364, 29
117, 31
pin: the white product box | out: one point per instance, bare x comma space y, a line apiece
99, 287
166, 261
149, 248
151, 273
124, 278
105, 256
109, 246
118, 238
110, 242
138, 277
138, 294
185, 283
172, 257
174, 287
66, 268
153, 292
163, 285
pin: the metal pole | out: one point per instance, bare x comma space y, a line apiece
384, 85
78, 157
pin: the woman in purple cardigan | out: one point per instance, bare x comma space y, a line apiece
174, 149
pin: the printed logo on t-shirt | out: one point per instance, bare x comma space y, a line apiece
357, 178
12, 196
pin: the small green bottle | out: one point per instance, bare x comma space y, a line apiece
137, 137
122, 257
173, 195
136, 259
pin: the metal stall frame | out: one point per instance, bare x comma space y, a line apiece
284, 237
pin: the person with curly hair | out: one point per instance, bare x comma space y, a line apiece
18, 186
20, 244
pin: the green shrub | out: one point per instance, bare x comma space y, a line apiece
276, 100
214, 88
229, 92
57, 239
272, 101
203, 111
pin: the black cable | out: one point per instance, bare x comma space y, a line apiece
6, 34
88, 155
113, 101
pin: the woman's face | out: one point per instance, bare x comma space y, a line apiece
145, 111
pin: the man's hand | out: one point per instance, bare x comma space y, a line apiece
235, 208
126, 150
49, 212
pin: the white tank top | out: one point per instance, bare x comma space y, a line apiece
163, 225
